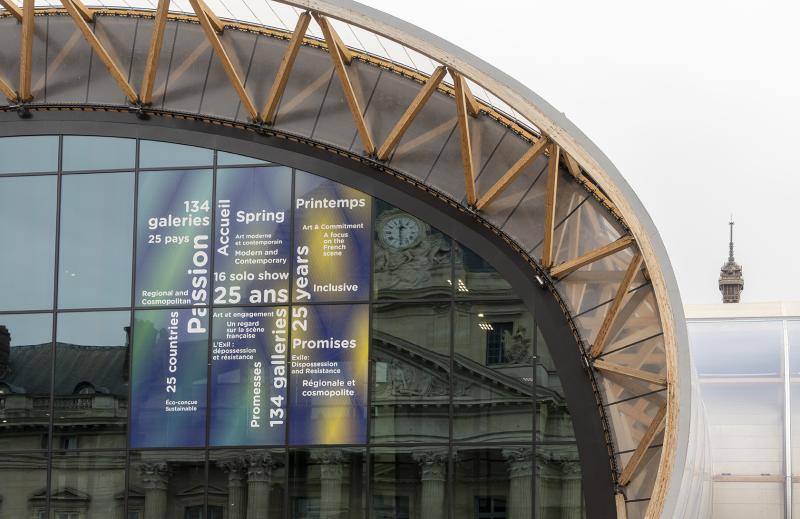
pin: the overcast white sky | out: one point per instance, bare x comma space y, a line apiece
696, 102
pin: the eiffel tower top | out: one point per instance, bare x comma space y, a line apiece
731, 282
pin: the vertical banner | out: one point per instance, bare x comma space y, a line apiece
329, 374
248, 376
333, 236
173, 238
253, 229
169, 353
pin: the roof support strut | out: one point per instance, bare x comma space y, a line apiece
613, 311
619, 500
509, 176
26, 51
411, 113
156, 41
78, 13
646, 376
7, 90
647, 440
550, 205
352, 101
211, 33
462, 108
282, 76
12, 8
212, 18
599, 253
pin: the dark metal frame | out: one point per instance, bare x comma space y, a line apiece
399, 190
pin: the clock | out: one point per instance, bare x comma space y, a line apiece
401, 231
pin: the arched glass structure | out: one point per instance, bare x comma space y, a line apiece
368, 102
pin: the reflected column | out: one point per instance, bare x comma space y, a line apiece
235, 467
520, 472
331, 472
571, 496
155, 479
259, 479
433, 475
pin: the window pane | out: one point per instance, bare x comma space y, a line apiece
327, 483
253, 235
91, 380
173, 238
493, 370
248, 376
23, 480
332, 238
475, 277
92, 153
96, 240
558, 482
169, 360
411, 372
156, 154
87, 485
746, 500
25, 352
746, 426
29, 154
236, 475
329, 377
723, 349
793, 329
169, 481
409, 483
27, 228
493, 483
412, 259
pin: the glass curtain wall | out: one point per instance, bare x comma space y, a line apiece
455, 411
749, 371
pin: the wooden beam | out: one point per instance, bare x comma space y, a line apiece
77, 17
212, 18
550, 205
411, 112
616, 304
466, 143
282, 76
347, 86
473, 108
622, 511
612, 367
647, 440
599, 253
572, 166
154, 53
84, 11
512, 173
26, 50
227, 65
12, 8
7, 90
347, 55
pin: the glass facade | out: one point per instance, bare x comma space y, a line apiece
747, 368
402, 377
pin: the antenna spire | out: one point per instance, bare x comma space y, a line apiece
730, 253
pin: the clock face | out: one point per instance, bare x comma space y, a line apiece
401, 232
